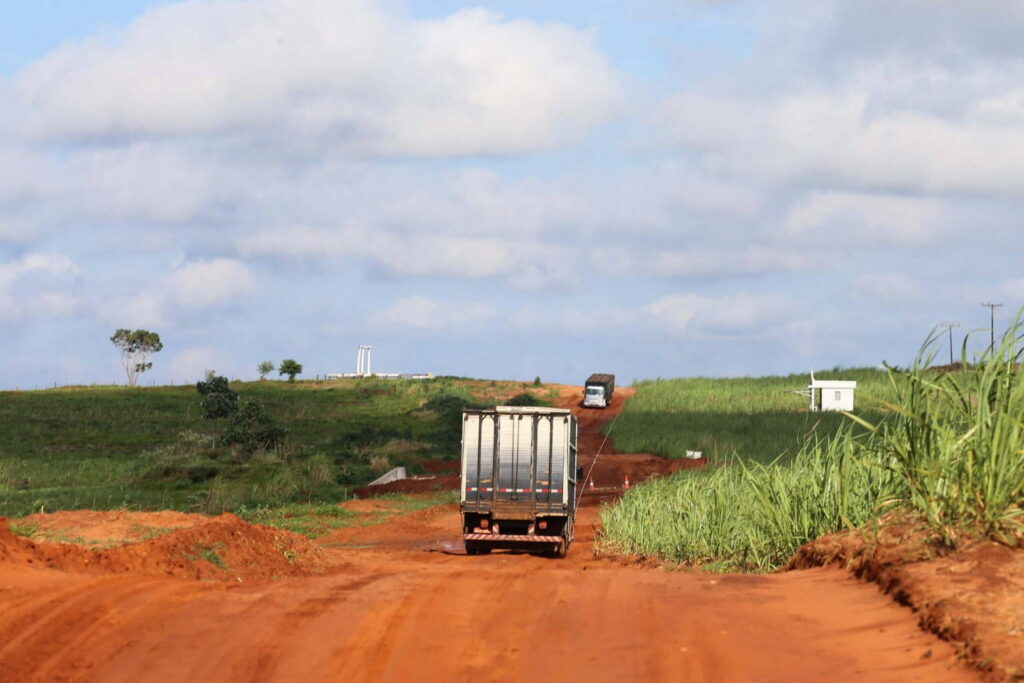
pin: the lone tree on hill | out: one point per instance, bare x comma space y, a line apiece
136, 348
291, 368
265, 368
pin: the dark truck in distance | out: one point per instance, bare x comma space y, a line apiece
518, 479
598, 390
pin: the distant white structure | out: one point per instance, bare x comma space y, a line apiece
364, 369
363, 361
830, 394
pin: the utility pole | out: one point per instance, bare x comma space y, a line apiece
992, 344
949, 327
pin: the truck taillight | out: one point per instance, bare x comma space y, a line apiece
484, 523
542, 524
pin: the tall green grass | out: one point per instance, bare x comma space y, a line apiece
947, 447
956, 439
748, 515
753, 418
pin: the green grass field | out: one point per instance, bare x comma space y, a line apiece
149, 448
756, 419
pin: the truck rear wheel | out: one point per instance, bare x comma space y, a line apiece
560, 550
473, 548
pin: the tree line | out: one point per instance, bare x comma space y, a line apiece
136, 347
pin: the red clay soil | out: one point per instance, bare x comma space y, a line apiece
973, 597
402, 601
114, 527
219, 548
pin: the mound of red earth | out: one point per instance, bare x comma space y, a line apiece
223, 547
972, 597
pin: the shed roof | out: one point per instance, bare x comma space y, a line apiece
832, 384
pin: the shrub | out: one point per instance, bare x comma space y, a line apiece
218, 400
251, 429
524, 399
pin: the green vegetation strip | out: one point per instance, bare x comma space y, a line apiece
753, 418
150, 448
947, 447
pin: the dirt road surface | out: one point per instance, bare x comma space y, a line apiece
400, 601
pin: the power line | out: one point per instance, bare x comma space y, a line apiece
949, 327
992, 344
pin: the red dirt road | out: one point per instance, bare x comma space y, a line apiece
400, 601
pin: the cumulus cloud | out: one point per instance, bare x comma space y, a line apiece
39, 285
888, 289
843, 138
688, 314
203, 284
164, 300
853, 217
428, 314
356, 74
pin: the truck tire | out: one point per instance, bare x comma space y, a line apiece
473, 548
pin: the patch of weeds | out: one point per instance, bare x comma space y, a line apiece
310, 520
409, 503
27, 529
148, 533
209, 553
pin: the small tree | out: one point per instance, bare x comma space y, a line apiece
136, 348
218, 398
291, 368
265, 368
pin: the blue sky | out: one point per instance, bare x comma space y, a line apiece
504, 190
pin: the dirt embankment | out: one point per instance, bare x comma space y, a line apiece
972, 598
223, 547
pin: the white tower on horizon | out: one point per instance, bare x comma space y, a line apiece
363, 368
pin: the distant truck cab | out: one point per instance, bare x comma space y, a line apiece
519, 479
598, 390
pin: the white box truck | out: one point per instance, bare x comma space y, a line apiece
598, 390
518, 479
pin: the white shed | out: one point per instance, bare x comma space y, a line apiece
830, 394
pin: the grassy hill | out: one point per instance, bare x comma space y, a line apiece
149, 448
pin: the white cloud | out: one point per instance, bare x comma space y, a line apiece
687, 314
203, 284
348, 72
425, 313
846, 136
856, 217
145, 309
888, 289
39, 285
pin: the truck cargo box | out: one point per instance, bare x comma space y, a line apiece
518, 478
